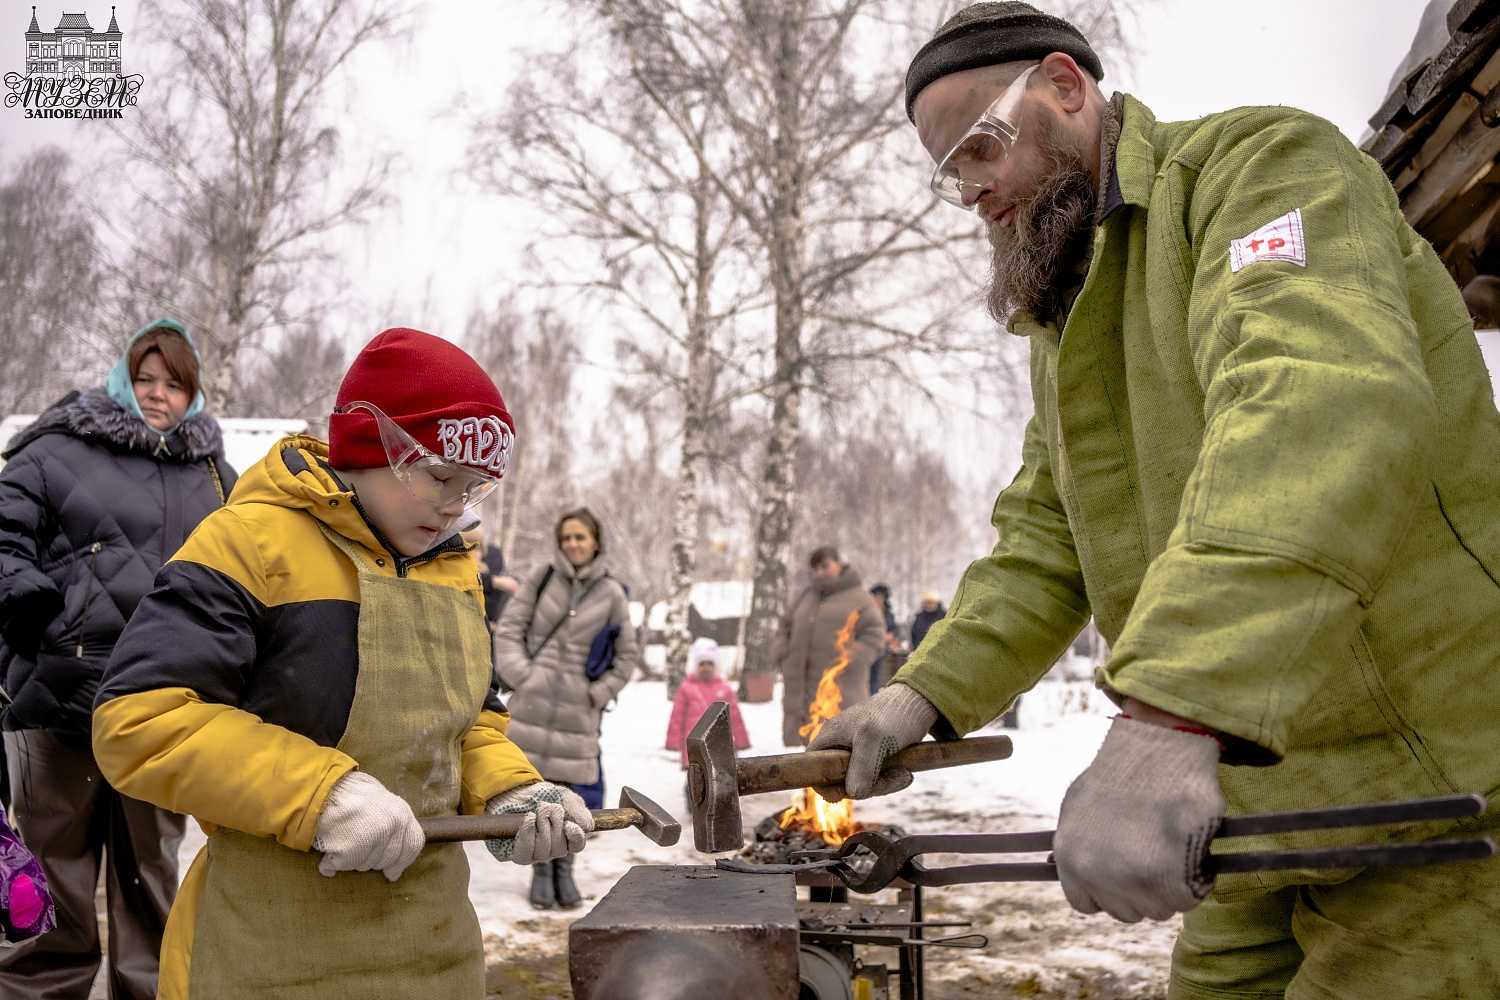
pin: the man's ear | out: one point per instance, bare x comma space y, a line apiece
1068, 80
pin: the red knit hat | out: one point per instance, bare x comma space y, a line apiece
433, 391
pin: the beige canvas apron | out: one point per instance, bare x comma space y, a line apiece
269, 925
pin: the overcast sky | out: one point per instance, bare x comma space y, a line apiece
441, 249
1331, 57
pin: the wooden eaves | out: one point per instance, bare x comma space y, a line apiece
1437, 139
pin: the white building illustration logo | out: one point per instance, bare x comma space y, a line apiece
74, 49
73, 71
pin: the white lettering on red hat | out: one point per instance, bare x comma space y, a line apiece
1280, 239
479, 442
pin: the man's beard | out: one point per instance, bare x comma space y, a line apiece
1049, 232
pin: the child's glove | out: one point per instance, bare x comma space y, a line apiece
365, 827
556, 822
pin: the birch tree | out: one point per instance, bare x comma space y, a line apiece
618, 178
800, 90
810, 92
244, 160
50, 279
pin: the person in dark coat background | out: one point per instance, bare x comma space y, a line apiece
501, 583
96, 495
931, 613
890, 660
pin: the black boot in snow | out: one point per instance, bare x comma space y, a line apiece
543, 897
568, 896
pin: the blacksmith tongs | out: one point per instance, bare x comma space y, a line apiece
897, 857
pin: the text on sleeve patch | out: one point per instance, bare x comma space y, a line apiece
1279, 239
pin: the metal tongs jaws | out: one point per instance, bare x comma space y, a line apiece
897, 857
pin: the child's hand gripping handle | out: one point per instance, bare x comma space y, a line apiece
635, 810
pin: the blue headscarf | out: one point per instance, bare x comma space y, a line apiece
119, 384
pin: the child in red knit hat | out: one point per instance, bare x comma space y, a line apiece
310, 676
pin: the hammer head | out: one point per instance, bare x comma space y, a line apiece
659, 826
713, 783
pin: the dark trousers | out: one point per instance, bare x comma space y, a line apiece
74, 822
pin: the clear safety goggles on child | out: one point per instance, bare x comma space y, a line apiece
430, 478
988, 140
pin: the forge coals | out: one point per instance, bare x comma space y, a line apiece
774, 845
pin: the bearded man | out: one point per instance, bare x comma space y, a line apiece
1265, 459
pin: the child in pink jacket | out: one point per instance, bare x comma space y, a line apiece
702, 687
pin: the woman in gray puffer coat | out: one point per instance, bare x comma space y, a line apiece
566, 647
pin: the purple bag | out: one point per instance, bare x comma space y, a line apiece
25, 905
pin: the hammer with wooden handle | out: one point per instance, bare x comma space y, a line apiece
636, 810
716, 779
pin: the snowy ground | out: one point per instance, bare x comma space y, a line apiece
1038, 945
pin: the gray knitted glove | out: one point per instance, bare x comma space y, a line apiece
364, 827
1135, 826
894, 719
555, 821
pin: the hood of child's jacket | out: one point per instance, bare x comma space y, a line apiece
294, 474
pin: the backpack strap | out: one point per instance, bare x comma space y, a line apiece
532, 654
531, 619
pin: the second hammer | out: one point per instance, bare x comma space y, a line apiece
716, 779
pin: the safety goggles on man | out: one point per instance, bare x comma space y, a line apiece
428, 477
988, 140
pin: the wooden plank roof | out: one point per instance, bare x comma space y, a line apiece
1436, 137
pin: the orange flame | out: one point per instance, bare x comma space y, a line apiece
833, 821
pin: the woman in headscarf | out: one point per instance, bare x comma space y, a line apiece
566, 647
96, 495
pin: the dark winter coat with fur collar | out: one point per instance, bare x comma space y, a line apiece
93, 501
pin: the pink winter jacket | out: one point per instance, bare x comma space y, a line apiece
693, 699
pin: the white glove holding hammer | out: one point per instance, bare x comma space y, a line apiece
366, 827
555, 821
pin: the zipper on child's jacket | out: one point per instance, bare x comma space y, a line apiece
402, 563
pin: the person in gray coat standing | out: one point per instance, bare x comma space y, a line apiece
565, 646
806, 642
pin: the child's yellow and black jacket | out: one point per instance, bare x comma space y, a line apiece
229, 690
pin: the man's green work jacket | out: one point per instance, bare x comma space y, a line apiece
1276, 489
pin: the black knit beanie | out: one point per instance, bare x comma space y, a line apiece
987, 34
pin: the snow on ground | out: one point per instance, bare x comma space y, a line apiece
1036, 941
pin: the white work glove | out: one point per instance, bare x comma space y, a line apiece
895, 718
1135, 826
364, 827
555, 822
